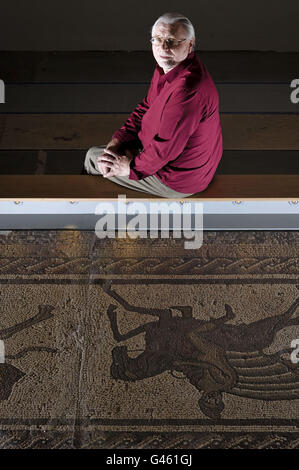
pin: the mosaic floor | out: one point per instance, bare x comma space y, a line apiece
129, 343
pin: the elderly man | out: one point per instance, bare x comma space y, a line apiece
171, 144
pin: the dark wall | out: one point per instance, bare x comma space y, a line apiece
125, 25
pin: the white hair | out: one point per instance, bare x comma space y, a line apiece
171, 18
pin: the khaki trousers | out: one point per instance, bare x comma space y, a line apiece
150, 184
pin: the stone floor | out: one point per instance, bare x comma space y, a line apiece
130, 343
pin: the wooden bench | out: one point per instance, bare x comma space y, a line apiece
63, 115
77, 187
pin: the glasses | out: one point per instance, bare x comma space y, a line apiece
171, 43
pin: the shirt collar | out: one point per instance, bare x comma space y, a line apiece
172, 74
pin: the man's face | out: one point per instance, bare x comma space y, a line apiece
169, 57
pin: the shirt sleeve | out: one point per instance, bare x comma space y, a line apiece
129, 131
179, 120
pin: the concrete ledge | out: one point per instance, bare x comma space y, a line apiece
231, 202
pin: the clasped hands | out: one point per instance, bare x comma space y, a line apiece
111, 163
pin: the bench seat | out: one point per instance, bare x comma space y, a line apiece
78, 187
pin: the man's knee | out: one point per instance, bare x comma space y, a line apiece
92, 153
90, 162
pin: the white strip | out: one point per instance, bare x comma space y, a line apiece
2, 92
19, 206
2, 352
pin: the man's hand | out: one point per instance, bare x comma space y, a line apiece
102, 167
119, 165
113, 145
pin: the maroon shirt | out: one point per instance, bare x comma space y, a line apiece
178, 124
